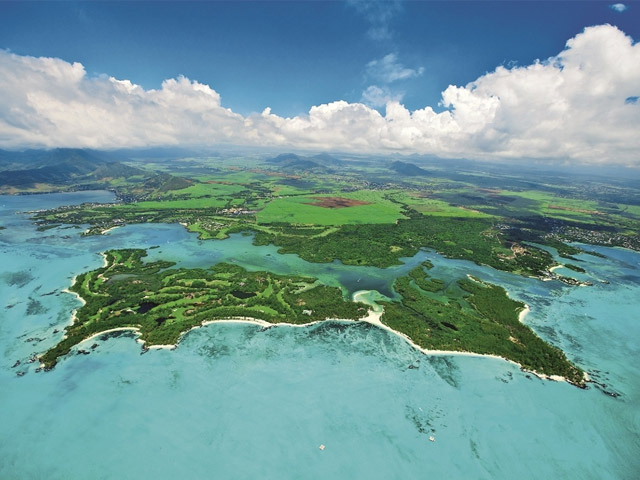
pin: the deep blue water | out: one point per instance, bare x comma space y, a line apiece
237, 401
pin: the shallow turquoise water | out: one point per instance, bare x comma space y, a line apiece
239, 401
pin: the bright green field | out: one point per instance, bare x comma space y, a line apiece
297, 210
632, 209
199, 195
436, 208
199, 190
566, 208
193, 203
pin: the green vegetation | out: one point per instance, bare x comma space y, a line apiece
283, 199
554, 206
382, 245
359, 211
575, 268
162, 302
471, 316
436, 208
375, 208
422, 280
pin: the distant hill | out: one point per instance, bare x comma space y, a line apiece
163, 182
409, 169
61, 166
326, 159
293, 162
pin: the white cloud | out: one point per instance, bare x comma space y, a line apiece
618, 7
378, 13
573, 106
376, 96
50, 102
387, 69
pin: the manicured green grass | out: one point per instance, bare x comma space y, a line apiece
163, 303
297, 210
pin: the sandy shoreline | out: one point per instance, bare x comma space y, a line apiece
523, 313
82, 300
373, 317
104, 232
117, 329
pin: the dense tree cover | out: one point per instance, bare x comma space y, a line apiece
163, 302
382, 245
575, 268
427, 264
483, 319
423, 280
205, 221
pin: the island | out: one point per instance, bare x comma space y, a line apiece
162, 303
358, 210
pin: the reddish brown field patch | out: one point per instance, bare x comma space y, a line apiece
336, 202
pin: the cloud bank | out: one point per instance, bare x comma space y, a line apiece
571, 107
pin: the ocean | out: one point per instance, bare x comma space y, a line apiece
240, 401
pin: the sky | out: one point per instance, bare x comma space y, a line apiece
551, 81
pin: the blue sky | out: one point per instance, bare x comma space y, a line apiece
292, 55
548, 81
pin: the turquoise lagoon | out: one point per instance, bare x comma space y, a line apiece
239, 401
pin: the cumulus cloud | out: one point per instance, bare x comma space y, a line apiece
50, 102
579, 105
618, 7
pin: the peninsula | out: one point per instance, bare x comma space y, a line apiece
162, 302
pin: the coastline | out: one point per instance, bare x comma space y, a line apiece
82, 300
523, 313
373, 317
104, 232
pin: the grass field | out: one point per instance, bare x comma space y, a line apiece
193, 203
196, 196
162, 303
298, 210
436, 208
558, 207
205, 190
